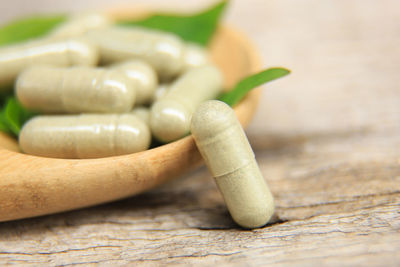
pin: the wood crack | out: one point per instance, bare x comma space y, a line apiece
57, 252
191, 256
354, 198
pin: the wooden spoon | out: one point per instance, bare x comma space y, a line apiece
32, 186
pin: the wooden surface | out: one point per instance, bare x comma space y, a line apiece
327, 139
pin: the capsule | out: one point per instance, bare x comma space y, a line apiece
62, 53
163, 51
230, 158
79, 24
160, 91
143, 75
84, 136
170, 116
195, 56
142, 113
74, 90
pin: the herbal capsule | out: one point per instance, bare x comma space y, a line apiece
15, 58
160, 91
142, 113
75, 90
84, 136
143, 75
79, 24
161, 50
195, 56
229, 157
170, 116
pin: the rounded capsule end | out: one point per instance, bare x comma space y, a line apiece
168, 55
20, 86
132, 135
82, 53
25, 136
247, 196
37, 93
210, 118
142, 113
40, 136
160, 91
118, 90
169, 120
143, 75
254, 219
195, 56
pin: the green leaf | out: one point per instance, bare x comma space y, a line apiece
245, 85
3, 124
5, 93
28, 28
197, 28
13, 116
23, 30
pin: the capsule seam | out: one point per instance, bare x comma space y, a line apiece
235, 170
114, 142
210, 141
63, 92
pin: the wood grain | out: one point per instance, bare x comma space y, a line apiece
327, 140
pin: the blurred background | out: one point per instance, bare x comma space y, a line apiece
326, 138
344, 57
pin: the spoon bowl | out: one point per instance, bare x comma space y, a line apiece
32, 186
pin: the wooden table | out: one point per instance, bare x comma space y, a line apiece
327, 139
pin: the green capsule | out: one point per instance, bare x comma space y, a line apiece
75, 90
84, 136
144, 77
170, 116
163, 51
142, 113
160, 91
195, 56
229, 157
79, 24
63, 53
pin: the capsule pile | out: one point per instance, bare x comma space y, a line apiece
105, 90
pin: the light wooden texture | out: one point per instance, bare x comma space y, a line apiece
327, 139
